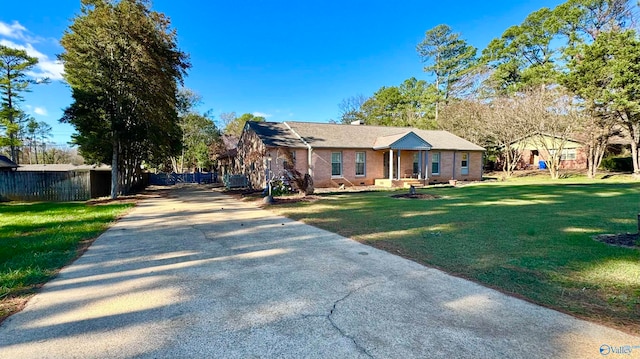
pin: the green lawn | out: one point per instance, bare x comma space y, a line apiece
37, 239
531, 240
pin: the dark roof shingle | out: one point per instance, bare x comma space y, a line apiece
5, 162
275, 134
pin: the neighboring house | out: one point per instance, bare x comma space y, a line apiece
226, 159
6, 164
534, 153
356, 155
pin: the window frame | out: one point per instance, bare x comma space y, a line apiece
363, 163
340, 175
568, 154
464, 169
433, 157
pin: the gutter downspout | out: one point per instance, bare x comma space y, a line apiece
309, 149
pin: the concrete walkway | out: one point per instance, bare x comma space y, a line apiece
201, 275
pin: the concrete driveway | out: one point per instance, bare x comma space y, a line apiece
201, 275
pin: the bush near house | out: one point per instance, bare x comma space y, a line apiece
617, 164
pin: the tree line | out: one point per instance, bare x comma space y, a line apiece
22, 139
567, 73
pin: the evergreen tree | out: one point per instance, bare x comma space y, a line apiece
122, 62
14, 64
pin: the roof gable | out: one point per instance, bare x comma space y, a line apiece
5, 162
407, 141
275, 134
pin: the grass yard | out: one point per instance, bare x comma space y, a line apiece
531, 240
37, 239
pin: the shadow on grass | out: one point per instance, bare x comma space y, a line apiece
534, 241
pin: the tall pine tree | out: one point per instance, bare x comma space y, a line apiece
14, 64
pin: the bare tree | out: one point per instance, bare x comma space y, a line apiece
467, 119
303, 182
508, 123
557, 118
351, 108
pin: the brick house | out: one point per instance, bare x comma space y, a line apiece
356, 155
533, 152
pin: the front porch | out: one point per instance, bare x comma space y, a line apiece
405, 160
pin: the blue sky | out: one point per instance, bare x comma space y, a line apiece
285, 60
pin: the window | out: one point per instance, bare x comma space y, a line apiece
361, 160
435, 164
464, 164
336, 164
568, 154
416, 163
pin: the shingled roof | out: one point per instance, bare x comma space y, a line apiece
5, 163
329, 135
276, 134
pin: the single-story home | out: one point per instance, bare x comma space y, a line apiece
355, 155
534, 152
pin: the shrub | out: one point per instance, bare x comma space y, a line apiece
617, 164
279, 188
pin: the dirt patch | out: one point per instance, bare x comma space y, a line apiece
417, 196
12, 305
149, 192
296, 199
629, 240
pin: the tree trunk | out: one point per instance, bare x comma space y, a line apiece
634, 155
634, 133
114, 169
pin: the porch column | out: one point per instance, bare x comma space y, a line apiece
390, 165
420, 164
425, 165
398, 171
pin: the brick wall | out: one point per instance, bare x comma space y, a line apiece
530, 161
447, 166
321, 164
250, 160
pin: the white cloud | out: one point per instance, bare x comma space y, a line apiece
14, 30
46, 67
40, 111
262, 114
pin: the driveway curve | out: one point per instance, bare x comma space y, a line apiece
200, 274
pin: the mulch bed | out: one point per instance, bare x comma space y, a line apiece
630, 240
417, 196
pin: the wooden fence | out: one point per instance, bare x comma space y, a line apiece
167, 179
49, 186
